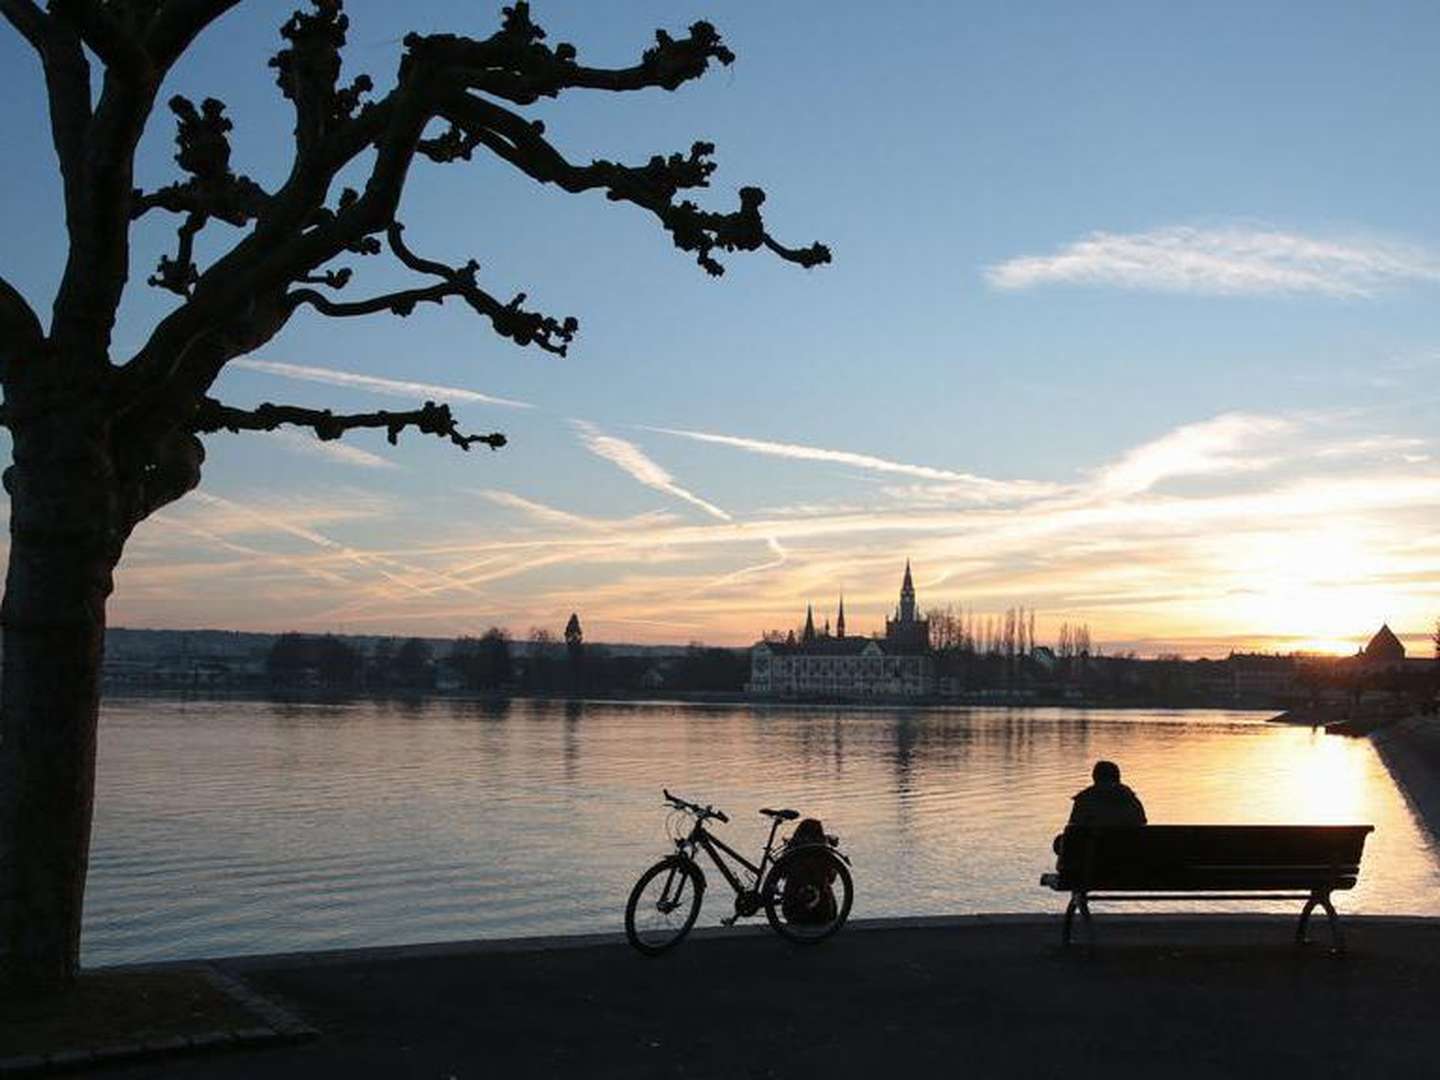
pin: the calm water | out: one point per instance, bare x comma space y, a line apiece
230, 827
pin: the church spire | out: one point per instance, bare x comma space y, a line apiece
906, 613
809, 634
840, 620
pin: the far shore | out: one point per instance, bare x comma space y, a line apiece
728, 699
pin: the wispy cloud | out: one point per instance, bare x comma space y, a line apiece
1209, 447
415, 391
331, 450
1223, 261
631, 459
547, 515
961, 484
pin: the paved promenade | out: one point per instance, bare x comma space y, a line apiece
1214, 996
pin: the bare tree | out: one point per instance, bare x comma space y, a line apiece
103, 441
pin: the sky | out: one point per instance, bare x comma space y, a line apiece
1132, 320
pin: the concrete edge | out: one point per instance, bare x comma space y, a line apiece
240, 965
274, 1025
1413, 774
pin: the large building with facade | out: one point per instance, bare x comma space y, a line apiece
822, 664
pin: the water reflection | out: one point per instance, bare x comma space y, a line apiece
234, 826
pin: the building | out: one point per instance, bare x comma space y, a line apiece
1383, 652
825, 665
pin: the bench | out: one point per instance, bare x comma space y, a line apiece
1208, 862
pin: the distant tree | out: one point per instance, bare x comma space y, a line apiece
285, 664
710, 669
380, 667
302, 660
337, 662
482, 663
575, 651
103, 438
543, 666
414, 667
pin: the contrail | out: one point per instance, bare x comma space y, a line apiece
416, 391
631, 459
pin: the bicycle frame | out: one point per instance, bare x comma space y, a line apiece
701, 837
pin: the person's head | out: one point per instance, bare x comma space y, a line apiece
1105, 772
809, 831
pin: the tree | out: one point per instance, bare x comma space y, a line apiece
482, 663
103, 441
575, 651
414, 667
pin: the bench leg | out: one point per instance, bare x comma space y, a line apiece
1337, 935
1302, 929
1069, 920
1083, 903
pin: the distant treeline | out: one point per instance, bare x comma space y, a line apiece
489, 664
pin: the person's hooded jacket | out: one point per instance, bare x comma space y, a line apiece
1107, 805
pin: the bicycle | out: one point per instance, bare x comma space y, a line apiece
806, 894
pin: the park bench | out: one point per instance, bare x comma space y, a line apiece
1208, 862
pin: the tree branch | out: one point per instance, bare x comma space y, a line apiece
652, 186
248, 293
510, 320
176, 25
108, 38
19, 325
213, 190
430, 419
31, 23
515, 66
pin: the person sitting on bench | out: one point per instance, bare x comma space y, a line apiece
1105, 802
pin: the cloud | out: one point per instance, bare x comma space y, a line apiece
331, 450
631, 459
1206, 448
415, 391
548, 515
960, 484
1228, 261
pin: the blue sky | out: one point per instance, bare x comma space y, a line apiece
1132, 319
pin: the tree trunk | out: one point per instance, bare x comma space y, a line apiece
63, 546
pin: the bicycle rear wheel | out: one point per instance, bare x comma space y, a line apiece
663, 905
808, 894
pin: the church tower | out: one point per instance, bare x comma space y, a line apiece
809, 634
840, 620
907, 631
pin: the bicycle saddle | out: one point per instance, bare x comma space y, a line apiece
781, 815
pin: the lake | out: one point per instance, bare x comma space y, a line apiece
233, 826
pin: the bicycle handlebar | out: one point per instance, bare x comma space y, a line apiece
694, 808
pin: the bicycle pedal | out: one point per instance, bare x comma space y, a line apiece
729, 920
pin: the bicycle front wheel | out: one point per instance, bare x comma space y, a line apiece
663, 905
808, 894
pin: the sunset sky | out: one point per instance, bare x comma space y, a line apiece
1134, 319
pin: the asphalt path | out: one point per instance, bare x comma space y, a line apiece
1205, 996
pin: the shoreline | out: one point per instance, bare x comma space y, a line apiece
714, 699
1410, 749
